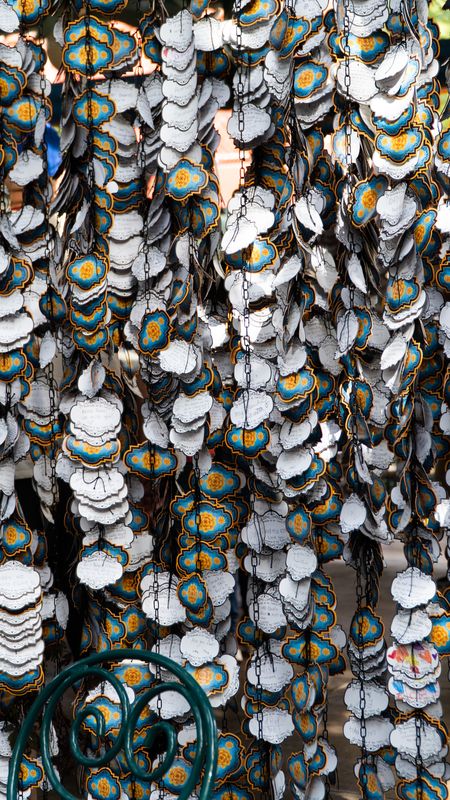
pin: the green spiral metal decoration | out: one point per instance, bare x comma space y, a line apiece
47, 701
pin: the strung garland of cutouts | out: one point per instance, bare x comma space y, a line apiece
216, 401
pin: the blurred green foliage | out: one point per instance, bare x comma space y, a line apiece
441, 17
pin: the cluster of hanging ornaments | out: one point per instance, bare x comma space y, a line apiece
232, 396
34, 615
28, 396
388, 216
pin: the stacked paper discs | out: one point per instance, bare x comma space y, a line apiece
179, 130
21, 644
91, 451
29, 425
380, 119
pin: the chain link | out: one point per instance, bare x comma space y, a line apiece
240, 94
347, 83
416, 558
48, 256
149, 367
157, 650
361, 680
3, 191
198, 519
419, 762
246, 346
90, 135
145, 247
347, 121
143, 165
352, 423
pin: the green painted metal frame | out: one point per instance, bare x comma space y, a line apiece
48, 698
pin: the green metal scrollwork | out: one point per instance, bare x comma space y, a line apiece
47, 701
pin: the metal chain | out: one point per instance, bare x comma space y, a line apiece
419, 760
416, 559
142, 165
353, 428
157, 650
45, 788
49, 370
347, 83
139, 68
347, 122
198, 519
145, 248
3, 191
149, 363
156, 604
319, 543
246, 343
240, 95
90, 116
361, 679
